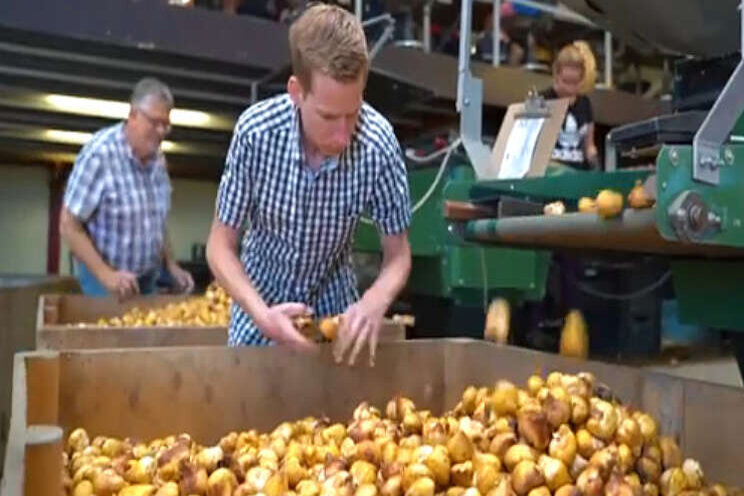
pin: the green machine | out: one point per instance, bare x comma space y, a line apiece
696, 225
448, 272
698, 186
445, 267
465, 276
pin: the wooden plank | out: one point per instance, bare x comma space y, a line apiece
18, 308
34, 459
58, 314
13, 464
64, 338
43, 462
663, 397
210, 391
456, 210
42, 377
713, 431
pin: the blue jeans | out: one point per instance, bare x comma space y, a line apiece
93, 287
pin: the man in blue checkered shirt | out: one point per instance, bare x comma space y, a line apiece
301, 170
117, 200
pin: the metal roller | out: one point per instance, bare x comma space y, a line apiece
634, 231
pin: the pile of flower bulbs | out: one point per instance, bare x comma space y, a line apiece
562, 436
210, 310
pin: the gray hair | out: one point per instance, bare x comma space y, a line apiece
151, 87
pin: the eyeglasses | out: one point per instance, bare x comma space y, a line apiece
156, 123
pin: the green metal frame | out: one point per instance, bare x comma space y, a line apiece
568, 187
468, 273
445, 266
674, 176
709, 292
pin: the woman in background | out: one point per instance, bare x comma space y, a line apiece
575, 146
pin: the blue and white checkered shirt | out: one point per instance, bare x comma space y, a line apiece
122, 204
300, 223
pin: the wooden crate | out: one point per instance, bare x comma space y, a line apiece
208, 392
58, 314
19, 298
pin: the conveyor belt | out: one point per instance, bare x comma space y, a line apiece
634, 232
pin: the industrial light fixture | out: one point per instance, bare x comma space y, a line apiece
81, 138
67, 137
120, 110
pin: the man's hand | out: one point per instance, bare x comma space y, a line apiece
276, 323
121, 283
360, 324
184, 281
362, 321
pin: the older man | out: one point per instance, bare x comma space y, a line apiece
302, 168
117, 202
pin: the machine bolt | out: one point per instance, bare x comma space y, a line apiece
695, 216
714, 220
674, 156
737, 222
664, 185
728, 156
708, 162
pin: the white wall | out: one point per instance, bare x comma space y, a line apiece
24, 215
192, 209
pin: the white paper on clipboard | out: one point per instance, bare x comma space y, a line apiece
520, 147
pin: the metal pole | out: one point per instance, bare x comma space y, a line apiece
358, 9
608, 59
464, 63
427, 26
496, 33
386, 18
741, 29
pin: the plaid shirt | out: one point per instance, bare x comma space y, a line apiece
122, 204
300, 223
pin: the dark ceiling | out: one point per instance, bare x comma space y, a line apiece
214, 63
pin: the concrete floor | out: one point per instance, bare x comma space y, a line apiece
719, 370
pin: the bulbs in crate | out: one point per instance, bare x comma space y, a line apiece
562, 435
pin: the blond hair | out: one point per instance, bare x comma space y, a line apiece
569, 56
329, 40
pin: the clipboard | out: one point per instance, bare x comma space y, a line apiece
552, 114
